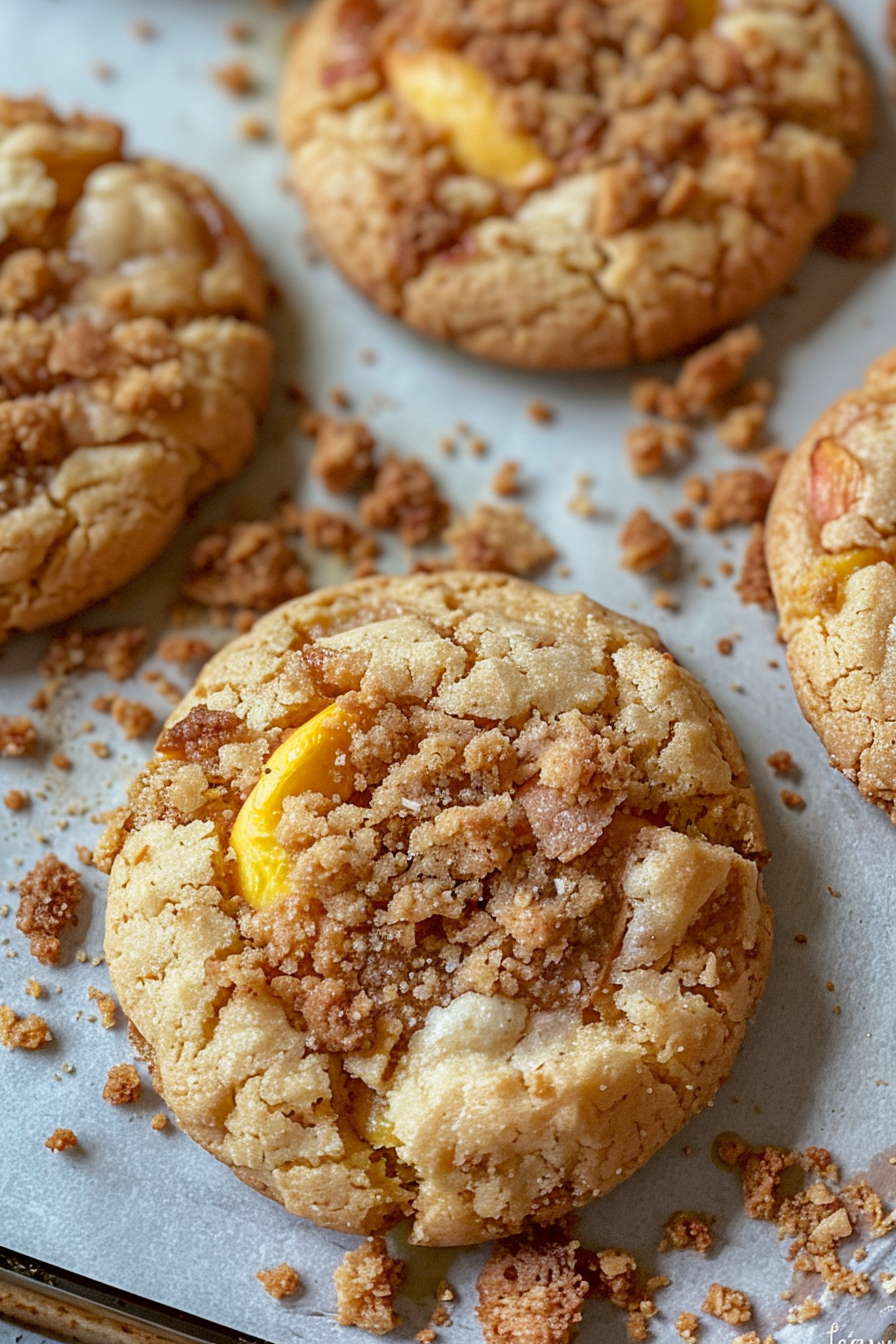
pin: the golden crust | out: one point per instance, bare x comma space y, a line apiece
688, 173
831, 548
132, 369
552, 1033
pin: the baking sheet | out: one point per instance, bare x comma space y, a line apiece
151, 1212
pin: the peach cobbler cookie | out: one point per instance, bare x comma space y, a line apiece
132, 369
439, 897
572, 183
831, 547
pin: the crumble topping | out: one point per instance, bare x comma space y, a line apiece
366, 1284
22, 1033
49, 897
122, 1085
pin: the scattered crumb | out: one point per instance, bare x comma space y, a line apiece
404, 498
854, 235
688, 1326
506, 480
237, 32
795, 801
167, 688
807, 1310
725, 646
143, 30
183, 649
478, 446
235, 77
650, 447
665, 600
540, 412
780, 761
122, 1085
100, 749
106, 1005
61, 1139
887, 1282
22, 1033
739, 496
61, 761
159, 1121
645, 543
502, 539
741, 426
49, 896
18, 736
754, 584
366, 1284
707, 375
115, 651
728, 1305
684, 1231
340, 398
253, 128
683, 517
247, 565
696, 490
328, 531
102, 70
135, 718
16, 800
531, 1290
284, 1281
343, 453
726, 569
34, 989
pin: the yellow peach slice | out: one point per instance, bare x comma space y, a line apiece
835, 481
824, 586
451, 94
313, 759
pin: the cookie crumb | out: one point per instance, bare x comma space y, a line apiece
696, 490
650, 447
246, 565
807, 1310
49, 896
366, 1284
685, 1231
114, 651
18, 736
739, 496
143, 30
329, 531
854, 235
16, 800
499, 539
715, 369
253, 128
728, 1305
61, 1139
725, 646
106, 1005
780, 761
688, 1326
665, 600
135, 718
122, 1085
740, 427
183, 649
404, 498
22, 1033
795, 801
754, 584
34, 989
506, 480
531, 1289
159, 1122
645, 543
540, 412
284, 1281
342, 457
235, 77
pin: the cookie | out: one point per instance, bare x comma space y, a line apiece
440, 898
831, 550
570, 184
133, 373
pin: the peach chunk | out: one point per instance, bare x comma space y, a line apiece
825, 583
450, 94
835, 481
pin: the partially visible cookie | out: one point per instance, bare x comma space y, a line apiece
441, 898
571, 184
831, 548
133, 371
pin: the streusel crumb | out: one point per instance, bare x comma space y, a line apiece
49, 897
405, 499
284, 1281
18, 735
501, 539
122, 1085
22, 1033
531, 1291
106, 1006
645, 543
728, 1304
343, 453
687, 1232
366, 1284
61, 1139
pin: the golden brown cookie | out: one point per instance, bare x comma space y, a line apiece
440, 897
831, 548
132, 369
571, 183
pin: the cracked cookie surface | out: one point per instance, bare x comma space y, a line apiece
562, 183
133, 371
503, 941
831, 548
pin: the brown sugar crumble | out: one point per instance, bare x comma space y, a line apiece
404, 498
343, 452
159, 1122
795, 801
540, 412
122, 1085
688, 1326
684, 1231
739, 496
728, 1305
106, 1006
366, 1284
283, 1281
16, 800
49, 897
506, 480
531, 1290
496, 538
329, 531
22, 1033
135, 718
645, 543
18, 736
780, 761
235, 77
754, 585
253, 128
115, 651
854, 235
61, 1139
715, 369
650, 448
725, 646
183, 649
246, 565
